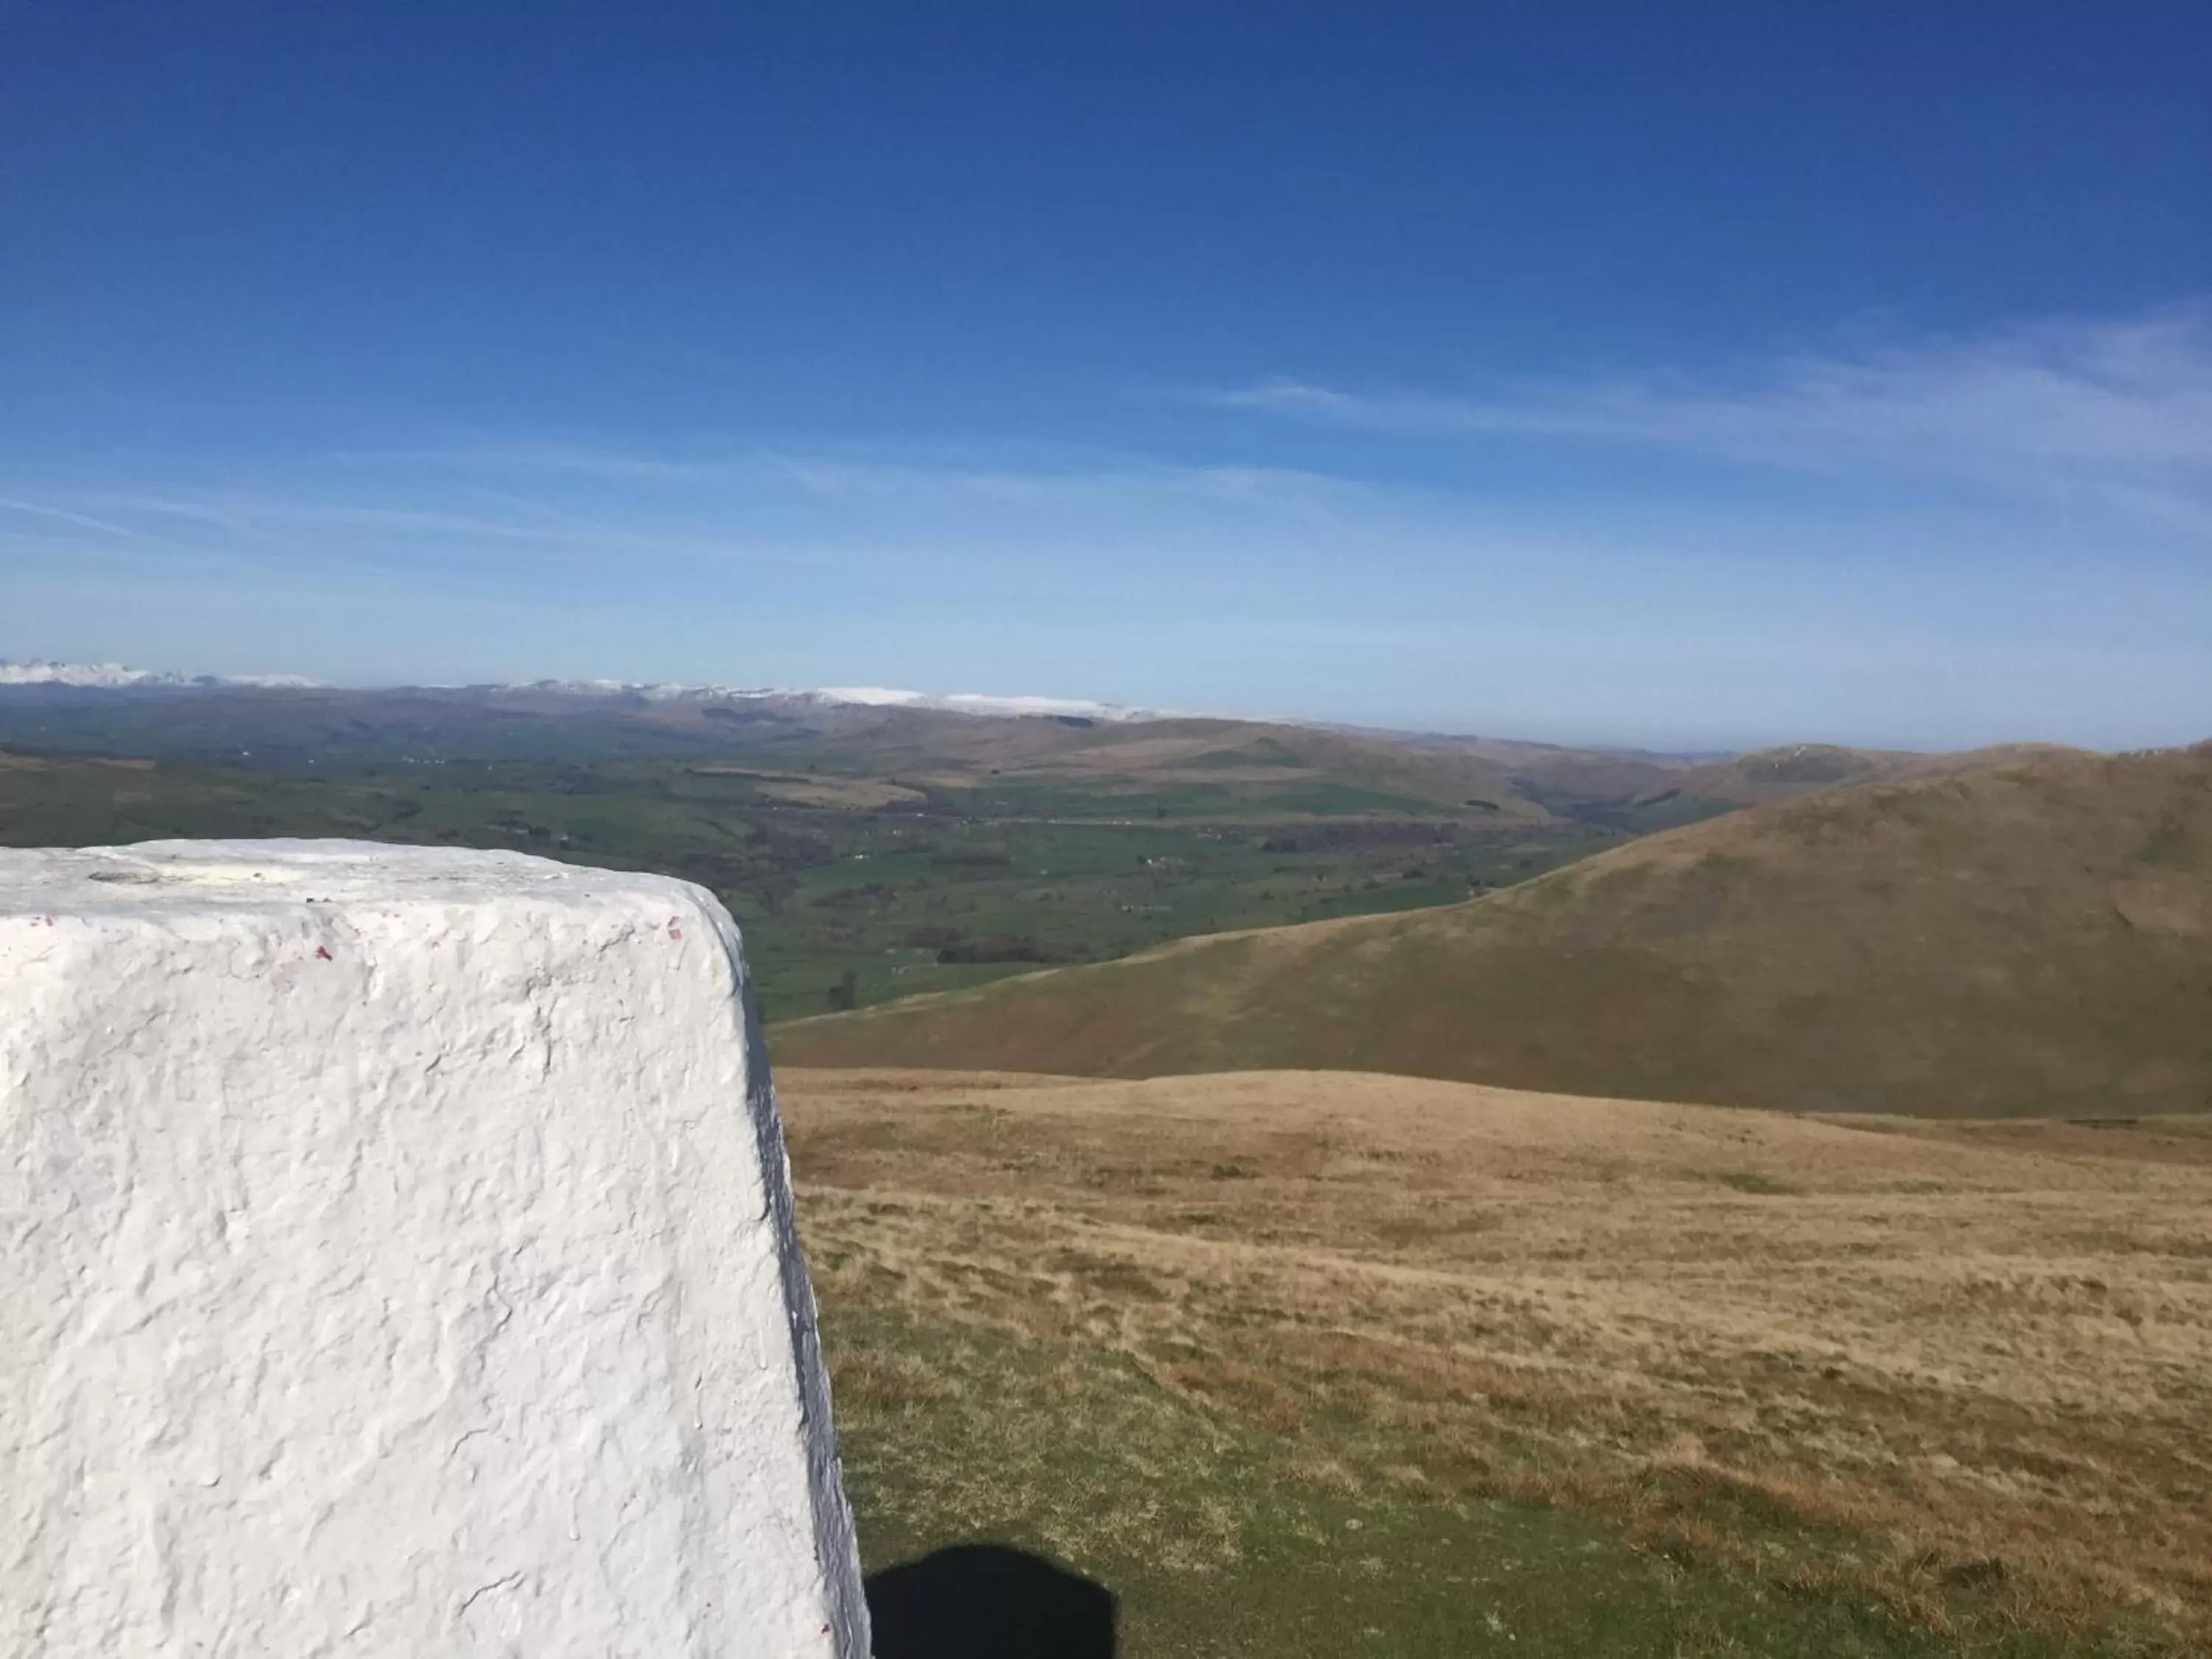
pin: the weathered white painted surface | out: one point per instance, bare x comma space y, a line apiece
396, 1259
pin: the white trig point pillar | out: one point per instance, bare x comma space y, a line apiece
396, 1260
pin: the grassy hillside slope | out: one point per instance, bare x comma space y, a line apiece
2034, 936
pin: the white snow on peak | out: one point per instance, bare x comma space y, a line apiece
652, 691
111, 676
858, 696
976, 702
115, 675
81, 673
871, 696
979, 703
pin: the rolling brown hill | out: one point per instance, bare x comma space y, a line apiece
1140, 758
1761, 775
1640, 791
2029, 935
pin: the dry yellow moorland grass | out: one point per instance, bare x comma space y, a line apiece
1979, 1354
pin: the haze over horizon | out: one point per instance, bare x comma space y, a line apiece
1843, 375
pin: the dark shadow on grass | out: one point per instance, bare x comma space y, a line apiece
988, 1602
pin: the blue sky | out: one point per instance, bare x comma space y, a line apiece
1685, 376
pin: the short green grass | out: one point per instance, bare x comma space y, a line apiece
1751, 1180
1224, 1541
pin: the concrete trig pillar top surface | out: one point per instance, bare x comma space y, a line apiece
398, 1261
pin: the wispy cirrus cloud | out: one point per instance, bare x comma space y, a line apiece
2117, 409
62, 515
833, 476
507, 506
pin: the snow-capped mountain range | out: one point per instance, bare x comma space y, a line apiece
863, 696
115, 677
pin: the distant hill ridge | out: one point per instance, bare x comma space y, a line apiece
2018, 931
